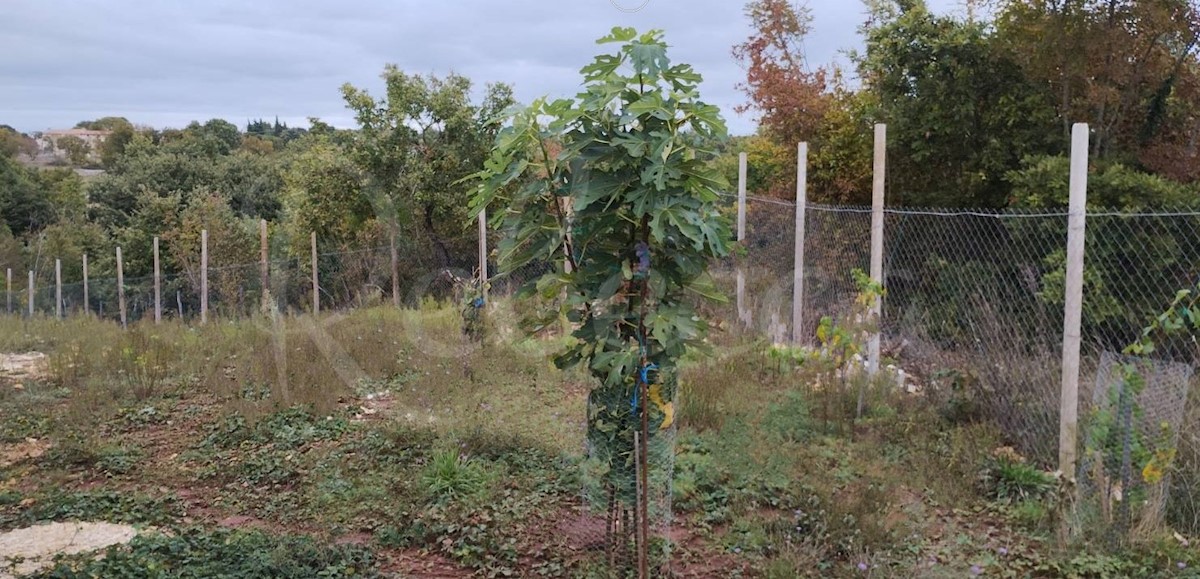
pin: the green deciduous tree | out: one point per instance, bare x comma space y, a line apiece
121, 132
1121, 253
960, 113
78, 150
840, 165
416, 145
13, 143
1126, 67
611, 183
65, 191
231, 241
24, 204
182, 164
215, 136
11, 255
68, 241
324, 194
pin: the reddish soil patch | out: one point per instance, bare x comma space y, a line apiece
241, 522
414, 563
694, 555
31, 448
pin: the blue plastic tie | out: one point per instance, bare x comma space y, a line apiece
644, 374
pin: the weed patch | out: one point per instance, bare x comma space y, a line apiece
106, 505
220, 553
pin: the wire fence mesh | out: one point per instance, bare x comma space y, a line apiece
347, 277
974, 310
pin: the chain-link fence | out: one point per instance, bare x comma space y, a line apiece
973, 314
1145, 419
347, 277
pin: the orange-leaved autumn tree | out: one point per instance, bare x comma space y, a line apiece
791, 97
799, 102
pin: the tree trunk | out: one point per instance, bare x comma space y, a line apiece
441, 253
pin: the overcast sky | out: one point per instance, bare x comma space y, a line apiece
166, 62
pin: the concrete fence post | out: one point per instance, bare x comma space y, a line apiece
58, 301
157, 286
316, 286
798, 264
121, 288
264, 266
395, 271
204, 276
483, 254
743, 309
1068, 436
877, 193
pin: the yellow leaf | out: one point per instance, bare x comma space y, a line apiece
668, 416
667, 408
1152, 473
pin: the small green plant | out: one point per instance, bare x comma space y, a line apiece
290, 428
701, 485
141, 417
118, 460
956, 395
140, 364
840, 381
1033, 514
1011, 478
450, 476
105, 505
789, 420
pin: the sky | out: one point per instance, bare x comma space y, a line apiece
164, 63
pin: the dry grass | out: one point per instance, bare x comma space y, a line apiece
416, 360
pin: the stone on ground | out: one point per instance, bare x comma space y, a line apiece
34, 548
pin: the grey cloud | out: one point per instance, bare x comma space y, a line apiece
164, 63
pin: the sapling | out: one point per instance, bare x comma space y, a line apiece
613, 188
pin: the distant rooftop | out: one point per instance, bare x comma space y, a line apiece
75, 132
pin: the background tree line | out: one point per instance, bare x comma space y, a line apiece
394, 177
978, 113
974, 107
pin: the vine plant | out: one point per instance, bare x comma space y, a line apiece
613, 188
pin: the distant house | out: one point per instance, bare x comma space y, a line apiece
49, 141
